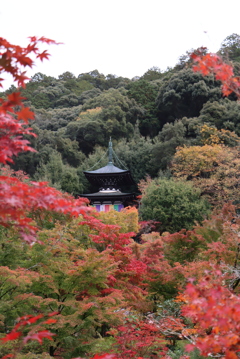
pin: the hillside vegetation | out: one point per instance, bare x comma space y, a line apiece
147, 117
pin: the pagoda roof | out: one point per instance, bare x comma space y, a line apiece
108, 169
109, 175
111, 196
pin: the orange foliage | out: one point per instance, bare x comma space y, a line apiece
213, 168
213, 64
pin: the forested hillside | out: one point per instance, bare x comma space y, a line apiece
147, 117
161, 282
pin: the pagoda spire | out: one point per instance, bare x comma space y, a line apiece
110, 152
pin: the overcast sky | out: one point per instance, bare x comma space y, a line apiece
124, 38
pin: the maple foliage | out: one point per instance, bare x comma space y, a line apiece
211, 298
213, 64
70, 280
18, 198
13, 57
215, 310
139, 337
71, 276
13, 128
14, 116
32, 324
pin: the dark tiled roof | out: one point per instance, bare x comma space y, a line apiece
103, 196
109, 168
106, 194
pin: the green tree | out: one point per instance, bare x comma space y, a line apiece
175, 204
34, 90
54, 119
87, 95
184, 95
66, 76
230, 48
115, 103
181, 132
111, 113
152, 74
50, 94
223, 114
68, 100
93, 77
145, 93
58, 174
113, 81
45, 143
88, 134
136, 154
75, 85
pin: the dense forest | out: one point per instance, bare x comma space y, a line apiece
158, 282
148, 118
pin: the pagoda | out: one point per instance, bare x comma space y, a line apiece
109, 179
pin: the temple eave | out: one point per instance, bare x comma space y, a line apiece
109, 197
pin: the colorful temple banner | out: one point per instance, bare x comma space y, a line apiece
108, 207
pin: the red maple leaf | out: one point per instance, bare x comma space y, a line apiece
47, 41
25, 61
15, 99
43, 55
11, 336
25, 114
50, 321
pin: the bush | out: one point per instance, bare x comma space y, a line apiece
175, 204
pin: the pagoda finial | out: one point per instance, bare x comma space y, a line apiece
110, 152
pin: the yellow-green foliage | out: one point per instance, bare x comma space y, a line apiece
90, 114
213, 136
214, 169
33, 354
127, 219
194, 160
